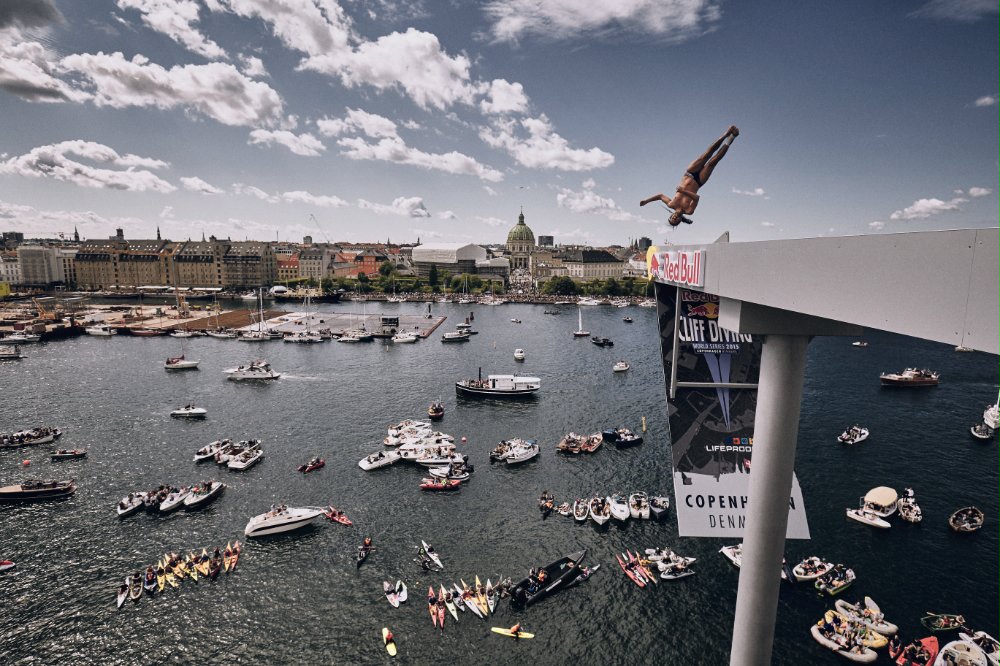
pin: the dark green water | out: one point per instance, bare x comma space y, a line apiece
299, 598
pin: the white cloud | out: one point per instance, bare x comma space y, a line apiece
671, 20
357, 120
504, 97
588, 201
216, 90
176, 19
60, 161
876, 225
447, 215
300, 196
960, 11
395, 150
167, 213
25, 70
986, 100
976, 192
768, 225
301, 144
755, 192
253, 66
406, 206
196, 184
543, 148
492, 221
34, 221
250, 190
427, 233
922, 208
490, 191
313, 27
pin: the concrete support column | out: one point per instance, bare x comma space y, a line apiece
779, 398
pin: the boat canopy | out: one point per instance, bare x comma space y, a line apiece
882, 496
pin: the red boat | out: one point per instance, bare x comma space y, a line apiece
337, 516
628, 572
917, 656
313, 464
910, 377
439, 484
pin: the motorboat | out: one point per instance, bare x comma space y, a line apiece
222, 457
881, 501
908, 508
130, 504
927, 650
811, 568
658, 506
619, 506
988, 644
21, 338
648, 303
67, 454
587, 300
180, 363
868, 517
522, 452
208, 451
968, 519
600, 510
404, 339
222, 334
438, 459
174, 500
185, 333
962, 652
506, 446
408, 424
859, 343
519, 354
454, 472
246, 460
602, 341
735, 555
100, 330
10, 353
281, 519
456, 336
377, 460
311, 466
499, 386
627, 319
303, 337
853, 435
190, 412
638, 505
548, 579
869, 614
910, 377
254, 371
991, 417
981, 431
621, 437
620, 366
34, 436
836, 580
203, 494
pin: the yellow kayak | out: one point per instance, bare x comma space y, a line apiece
161, 579
192, 567
203, 565
503, 631
481, 599
227, 556
390, 644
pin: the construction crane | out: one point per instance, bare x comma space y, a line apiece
44, 313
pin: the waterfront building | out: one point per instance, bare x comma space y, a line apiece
141, 262
248, 264
10, 269
586, 265
456, 258
520, 244
494, 267
66, 256
39, 265
314, 261
288, 267
199, 263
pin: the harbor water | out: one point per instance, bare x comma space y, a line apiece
299, 599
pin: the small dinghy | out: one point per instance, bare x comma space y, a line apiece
835, 581
600, 510
908, 508
190, 412
519, 354
868, 614
430, 483
867, 517
204, 494
968, 519
581, 510
134, 583
981, 431
658, 506
620, 366
564, 509
312, 465
919, 653
825, 633
435, 412
853, 435
811, 568
208, 451
638, 505
8, 564
68, 454
619, 506
942, 621
390, 593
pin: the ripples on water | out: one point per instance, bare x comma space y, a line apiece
300, 599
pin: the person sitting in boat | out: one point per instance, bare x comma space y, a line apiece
894, 645
515, 631
542, 576
368, 542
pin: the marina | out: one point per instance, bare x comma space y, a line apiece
336, 402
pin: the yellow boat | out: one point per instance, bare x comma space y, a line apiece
203, 565
192, 567
227, 556
481, 599
869, 638
161, 578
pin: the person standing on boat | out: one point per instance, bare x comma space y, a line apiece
686, 198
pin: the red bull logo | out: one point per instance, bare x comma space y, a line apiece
706, 310
680, 267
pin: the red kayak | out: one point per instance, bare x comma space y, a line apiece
311, 465
440, 484
628, 572
337, 516
923, 657
432, 605
6, 564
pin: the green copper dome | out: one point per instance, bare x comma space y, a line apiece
521, 233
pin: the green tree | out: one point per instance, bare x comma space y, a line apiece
432, 276
612, 287
386, 268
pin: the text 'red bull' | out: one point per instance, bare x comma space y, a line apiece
681, 267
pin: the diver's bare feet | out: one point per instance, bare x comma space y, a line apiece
734, 130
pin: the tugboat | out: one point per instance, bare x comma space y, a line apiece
436, 411
33, 490
601, 341
910, 377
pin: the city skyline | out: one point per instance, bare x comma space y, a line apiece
306, 117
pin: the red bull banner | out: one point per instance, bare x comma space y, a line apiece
711, 376
685, 267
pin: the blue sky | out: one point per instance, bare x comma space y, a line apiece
362, 120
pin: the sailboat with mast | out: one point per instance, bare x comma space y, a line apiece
259, 335
307, 336
579, 332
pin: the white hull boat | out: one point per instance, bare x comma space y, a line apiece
522, 453
961, 653
581, 510
619, 507
621, 366
100, 331
256, 371
735, 555
853, 435
377, 460
986, 643
519, 355
283, 520
600, 510
437, 461
404, 339
246, 460
190, 412
638, 506
127, 506
873, 619
180, 363
811, 568
868, 518
174, 500
208, 452
196, 500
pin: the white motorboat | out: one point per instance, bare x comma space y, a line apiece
619, 506
209, 450
522, 452
867, 517
408, 424
519, 354
180, 363
859, 343
621, 366
579, 332
586, 300
281, 519
908, 508
638, 505
986, 643
100, 330
600, 510
304, 337
377, 460
204, 494
463, 326
132, 503
658, 507
349, 338
648, 303
404, 339
10, 353
249, 296
174, 500
453, 472
499, 386
961, 653
853, 435
811, 568
439, 459
223, 457
426, 451
190, 412
664, 557
735, 555
222, 334
873, 618
253, 336
991, 416
980, 431
21, 338
246, 460
254, 371
881, 501
456, 336
183, 333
